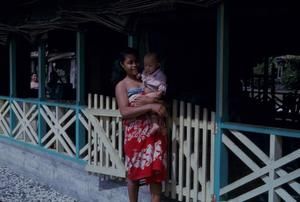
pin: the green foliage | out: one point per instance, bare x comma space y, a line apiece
291, 75
259, 69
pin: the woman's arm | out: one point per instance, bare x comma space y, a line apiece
131, 112
145, 99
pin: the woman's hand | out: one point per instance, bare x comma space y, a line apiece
159, 109
143, 100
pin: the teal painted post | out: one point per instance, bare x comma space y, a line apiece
12, 81
132, 41
266, 80
80, 63
41, 95
80, 89
41, 70
12, 68
221, 158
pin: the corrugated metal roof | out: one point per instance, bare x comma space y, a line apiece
34, 17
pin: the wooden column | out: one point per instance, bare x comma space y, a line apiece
41, 94
221, 160
275, 154
41, 70
80, 89
132, 41
12, 68
12, 81
80, 68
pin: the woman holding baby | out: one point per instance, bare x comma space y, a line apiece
145, 141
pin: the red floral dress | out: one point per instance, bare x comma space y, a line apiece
145, 153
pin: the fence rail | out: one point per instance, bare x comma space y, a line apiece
286, 104
94, 134
45, 124
268, 165
191, 140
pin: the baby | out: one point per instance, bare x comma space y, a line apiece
154, 81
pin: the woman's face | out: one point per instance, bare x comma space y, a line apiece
130, 65
34, 77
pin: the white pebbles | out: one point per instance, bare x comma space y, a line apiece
16, 188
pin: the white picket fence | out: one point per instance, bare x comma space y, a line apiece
59, 127
191, 141
105, 138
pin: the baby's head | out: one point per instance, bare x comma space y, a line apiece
151, 63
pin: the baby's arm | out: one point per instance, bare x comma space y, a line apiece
156, 94
162, 88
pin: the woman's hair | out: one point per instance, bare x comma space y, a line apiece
118, 72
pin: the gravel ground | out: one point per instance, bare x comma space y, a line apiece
16, 188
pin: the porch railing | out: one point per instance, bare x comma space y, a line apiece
266, 160
191, 146
55, 127
263, 163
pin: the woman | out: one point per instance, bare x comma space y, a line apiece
34, 83
145, 153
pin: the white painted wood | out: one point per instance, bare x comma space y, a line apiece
263, 157
181, 183
246, 179
181, 148
195, 160
287, 197
95, 104
104, 112
282, 180
239, 153
204, 154
113, 129
275, 153
188, 153
269, 182
89, 100
283, 194
59, 132
104, 148
120, 138
250, 194
251, 146
4, 124
293, 184
58, 115
107, 122
212, 151
24, 126
101, 102
89, 143
101, 99
174, 149
113, 153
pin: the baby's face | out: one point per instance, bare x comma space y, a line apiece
150, 64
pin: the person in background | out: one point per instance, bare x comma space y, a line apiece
34, 84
